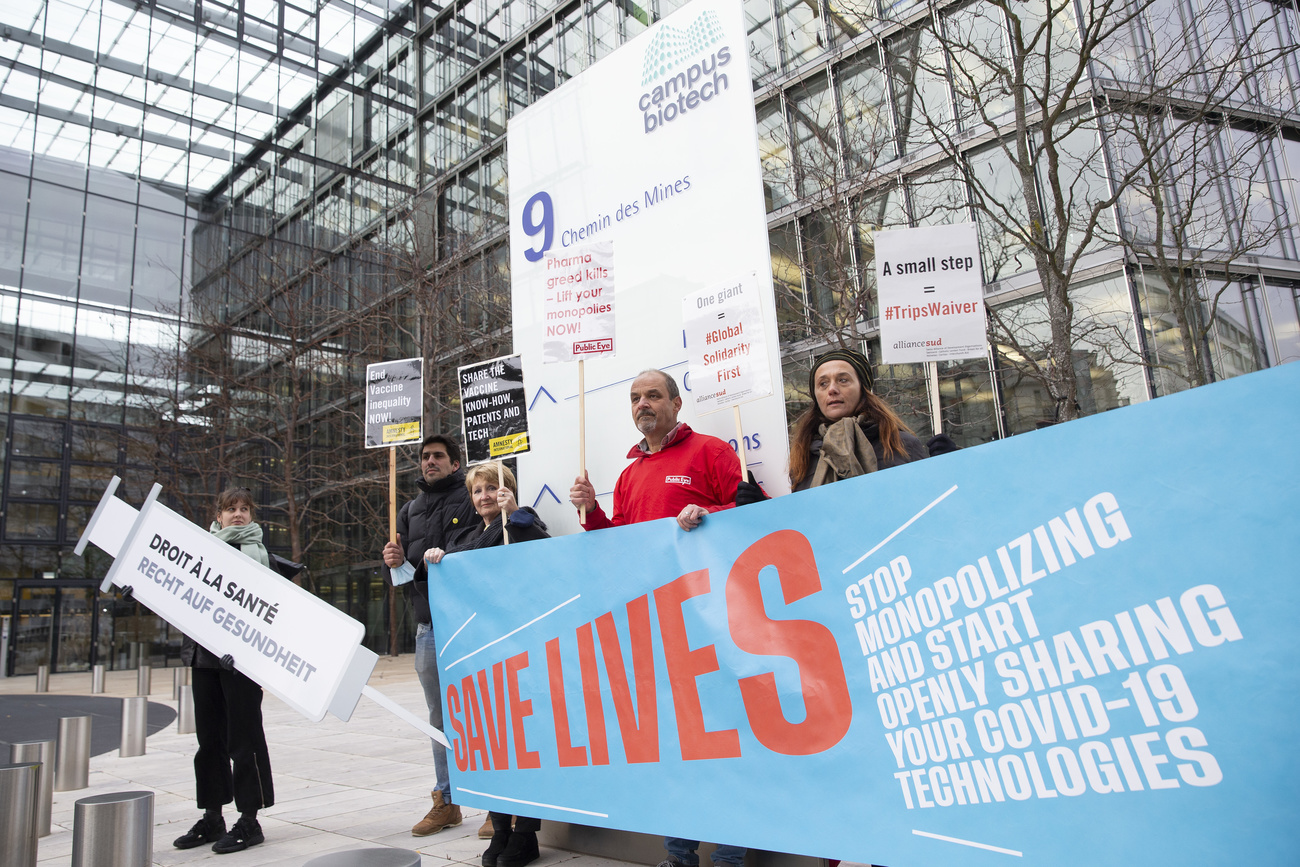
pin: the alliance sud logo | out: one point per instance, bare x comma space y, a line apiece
682, 85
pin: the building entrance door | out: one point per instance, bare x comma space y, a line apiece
53, 623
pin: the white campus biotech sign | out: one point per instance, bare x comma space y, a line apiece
931, 294
293, 644
727, 342
655, 150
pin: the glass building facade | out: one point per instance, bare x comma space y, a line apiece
214, 214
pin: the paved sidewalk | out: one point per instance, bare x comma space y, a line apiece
338, 785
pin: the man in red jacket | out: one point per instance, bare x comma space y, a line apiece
675, 472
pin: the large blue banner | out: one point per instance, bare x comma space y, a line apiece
1075, 646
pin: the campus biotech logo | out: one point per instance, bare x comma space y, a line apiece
686, 67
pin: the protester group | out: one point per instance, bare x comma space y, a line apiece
675, 472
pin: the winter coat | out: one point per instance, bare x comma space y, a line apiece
441, 511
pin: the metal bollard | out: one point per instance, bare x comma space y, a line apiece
43, 752
42, 678
180, 677
97, 680
72, 758
185, 711
135, 721
113, 830
19, 785
143, 679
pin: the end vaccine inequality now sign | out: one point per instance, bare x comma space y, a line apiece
1072, 647
931, 294
394, 402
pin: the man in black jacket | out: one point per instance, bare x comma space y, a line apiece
441, 510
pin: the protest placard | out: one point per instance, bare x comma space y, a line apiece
494, 410
726, 342
931, 294
394, 402
292, 643
1028, 652
578, 292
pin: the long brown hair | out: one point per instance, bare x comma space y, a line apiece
805, 430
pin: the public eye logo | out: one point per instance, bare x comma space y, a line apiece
685, 79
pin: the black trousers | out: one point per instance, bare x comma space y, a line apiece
232, 761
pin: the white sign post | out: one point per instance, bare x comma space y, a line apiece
655, 149
726, 342
931, 298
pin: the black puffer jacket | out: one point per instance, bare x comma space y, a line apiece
432, 520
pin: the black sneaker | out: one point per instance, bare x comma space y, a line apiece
245, 833
205, 830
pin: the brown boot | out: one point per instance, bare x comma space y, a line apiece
485, 830
440, 816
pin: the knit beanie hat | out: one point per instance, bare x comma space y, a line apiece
855, 359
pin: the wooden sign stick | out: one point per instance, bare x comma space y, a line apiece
741, 451
392, 495
582, 435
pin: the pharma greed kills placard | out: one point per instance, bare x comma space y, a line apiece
291, 642
1072, 647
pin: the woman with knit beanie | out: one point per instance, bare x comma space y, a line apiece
848, 431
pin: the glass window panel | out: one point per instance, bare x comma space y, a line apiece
802, 34
516, 74
938, 197
787, 278
572, 42
981, 68
849, 19
812, 115
1284, 317
834, 301
32, 521
1000, 213
917, 73
1081, 184
1174, 348
95, 443
546, 64
774, 152
903, 387
868, 126
43, 357
967, 402
494, 103
1235, 335
53, 239
1108, 370
763, 59
13, 219
34, 480
107, 251
604, 27
879, 211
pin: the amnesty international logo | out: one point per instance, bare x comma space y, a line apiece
671, 47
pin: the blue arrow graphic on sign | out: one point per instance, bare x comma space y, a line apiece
541, 391
546, 489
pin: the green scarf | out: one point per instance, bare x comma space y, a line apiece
247, 537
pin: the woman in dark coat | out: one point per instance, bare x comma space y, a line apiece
232, 762
848, 431
495, 504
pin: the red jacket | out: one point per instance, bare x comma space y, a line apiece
690, 468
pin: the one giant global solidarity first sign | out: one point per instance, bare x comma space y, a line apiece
1072, 647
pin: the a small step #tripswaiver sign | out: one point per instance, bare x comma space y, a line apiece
394, 402
295, 645
494, 409
578, 303
727, 344
931, 294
